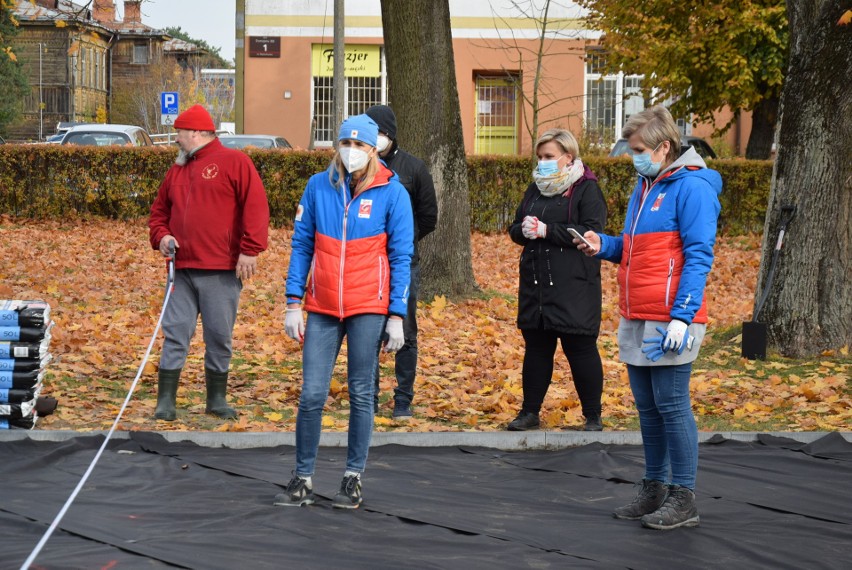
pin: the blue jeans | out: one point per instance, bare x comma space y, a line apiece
323, 337
669, 433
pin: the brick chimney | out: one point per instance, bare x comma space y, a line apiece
132, 11
103, 11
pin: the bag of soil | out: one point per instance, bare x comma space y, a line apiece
23, 365
32, 350
19, 410
16, 396
18, 423
23, 334
24, 314
20, 380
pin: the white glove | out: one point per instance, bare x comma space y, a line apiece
676, 335
294, 323
528, 227
532, 228
395, 336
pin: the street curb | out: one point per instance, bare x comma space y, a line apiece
504, 440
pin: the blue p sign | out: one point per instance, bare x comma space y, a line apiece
169, 103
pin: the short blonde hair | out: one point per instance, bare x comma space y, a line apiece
561, 137
654, 125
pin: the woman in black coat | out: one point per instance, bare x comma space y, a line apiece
559, 291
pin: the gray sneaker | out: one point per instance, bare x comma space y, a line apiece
298, 493
349, 495
677, 510
649, 498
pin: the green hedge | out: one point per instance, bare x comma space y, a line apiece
52, 181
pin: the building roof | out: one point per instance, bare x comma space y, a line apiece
176, 46
66, 10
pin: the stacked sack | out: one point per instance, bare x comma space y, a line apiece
24, 352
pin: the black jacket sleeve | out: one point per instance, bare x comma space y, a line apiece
425, 202
515, 231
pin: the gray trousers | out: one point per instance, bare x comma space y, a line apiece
215, 296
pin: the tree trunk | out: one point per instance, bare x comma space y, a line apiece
763, 120
809, 308
424, 96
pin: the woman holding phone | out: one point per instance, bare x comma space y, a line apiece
559, 290
664, 254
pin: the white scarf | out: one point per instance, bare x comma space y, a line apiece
554, 184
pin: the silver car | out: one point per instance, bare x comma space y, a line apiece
106, 135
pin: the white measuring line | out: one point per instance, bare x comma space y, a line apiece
56, 521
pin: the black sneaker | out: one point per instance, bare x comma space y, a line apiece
349, 495
650, 498
524, 421
298, 493
678, 510
593, 423
402, 411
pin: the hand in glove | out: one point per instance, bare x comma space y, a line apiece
654, 351
396, 338
674, 337
294, 323
532, 228
677, 336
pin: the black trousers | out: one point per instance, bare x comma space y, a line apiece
583, 358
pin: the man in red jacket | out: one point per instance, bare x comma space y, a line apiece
212, 206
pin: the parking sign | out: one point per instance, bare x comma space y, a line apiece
168, 107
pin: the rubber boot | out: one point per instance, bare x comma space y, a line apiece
217, 386
167, 383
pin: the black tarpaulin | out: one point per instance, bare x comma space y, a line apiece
774, 503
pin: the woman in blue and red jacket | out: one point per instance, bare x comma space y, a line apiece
664, 254
351, 252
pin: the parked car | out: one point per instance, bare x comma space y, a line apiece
256, 141
106, 135
55, 139
701, 147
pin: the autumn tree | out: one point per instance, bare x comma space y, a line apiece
136, 100
13, 81
706, 55
421, 70
541, 89
809, 307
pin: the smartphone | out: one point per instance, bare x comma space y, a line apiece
578, 236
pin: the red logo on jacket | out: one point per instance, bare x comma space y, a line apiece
658, 202
364, 208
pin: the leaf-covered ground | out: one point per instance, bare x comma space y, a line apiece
105, 285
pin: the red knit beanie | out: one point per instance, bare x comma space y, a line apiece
196, 118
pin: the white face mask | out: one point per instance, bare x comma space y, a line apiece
382, 143
354, 159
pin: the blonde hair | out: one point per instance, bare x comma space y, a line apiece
561, 137
337, 172
654, 125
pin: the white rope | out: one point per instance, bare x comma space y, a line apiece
56, 521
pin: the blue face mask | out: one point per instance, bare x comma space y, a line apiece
643, 164
548, 167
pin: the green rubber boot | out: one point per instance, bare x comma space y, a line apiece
167, 384
217, 386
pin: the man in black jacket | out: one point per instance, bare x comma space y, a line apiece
414, 175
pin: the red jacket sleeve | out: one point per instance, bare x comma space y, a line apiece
255, 211
158, 223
